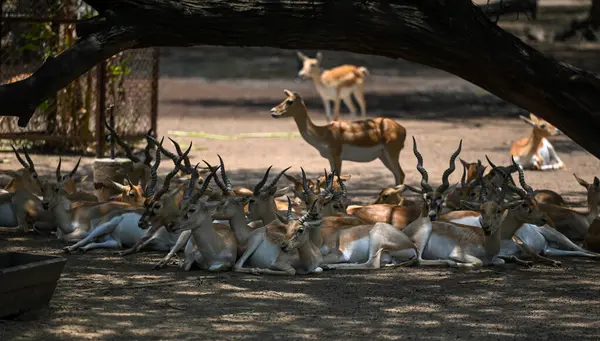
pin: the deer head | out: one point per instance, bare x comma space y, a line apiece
526, 208
193, 209
262, 201
128, 192
492, 211
540, 126
472, 169
28, 178
310, 67
158, 208
433, 198
391, 195
593, 190
290, 107
68, 180
292, 232
330, 200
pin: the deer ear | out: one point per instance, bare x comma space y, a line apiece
301, 55
596, 182
533, 117
345, 177
319, 57
581, 181
288, 93
512, 204
464, 163
528, 121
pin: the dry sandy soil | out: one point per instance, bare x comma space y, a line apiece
101, 296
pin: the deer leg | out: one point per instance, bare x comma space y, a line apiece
336, 105
179, 244
327, 106
252, 245
107, 244
278, 268
335, 159
391, 161
350, 105
359, 95
465, 260
147, 238
518, 261
526, 249
101, 230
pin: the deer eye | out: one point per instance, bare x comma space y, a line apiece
157, 206
386, 195
192, 210
543, 126
301, 230
289, 102
251, 201
499, 211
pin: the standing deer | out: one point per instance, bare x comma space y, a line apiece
334, 84
360, 141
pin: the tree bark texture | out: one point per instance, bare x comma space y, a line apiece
455, 36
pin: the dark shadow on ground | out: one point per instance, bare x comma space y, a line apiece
426, 105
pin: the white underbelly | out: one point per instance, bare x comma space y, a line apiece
471, 221
361, 154
329, 93
8, 218
356, 251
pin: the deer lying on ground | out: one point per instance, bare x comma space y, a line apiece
269, 248
160, 210
74, 220
360, 141
525, 233
393, 196
535, 152
575, 224
399, 216
124, 229
128, 192
443, 243
69, 185
212, 246
20, 207
335, 84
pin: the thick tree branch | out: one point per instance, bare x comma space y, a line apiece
23, 97
455, 36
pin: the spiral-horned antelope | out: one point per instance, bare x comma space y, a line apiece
336, 84
360, 141
160, 210
75, 220
124, 229
401, 216
443, 243
212, 246
140, 169
268, 249
535, 152
525, 232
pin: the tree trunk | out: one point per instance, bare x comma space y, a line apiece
455, 36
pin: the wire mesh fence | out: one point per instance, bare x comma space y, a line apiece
72, 120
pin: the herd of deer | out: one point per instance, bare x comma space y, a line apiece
487, 219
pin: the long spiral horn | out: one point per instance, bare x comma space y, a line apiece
148, 148
262, 182
219, 183
171, 175
186, 160
229, 186
72, 174
289, 214
58, 176
121, 143
193, 179
29, 161
205, 184
149, 190
506, 177
273, 183
305, 186
445, 184
308, 213
463, 178
424, 176
19, 158
525, 186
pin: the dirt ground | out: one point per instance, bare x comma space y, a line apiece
101, 296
